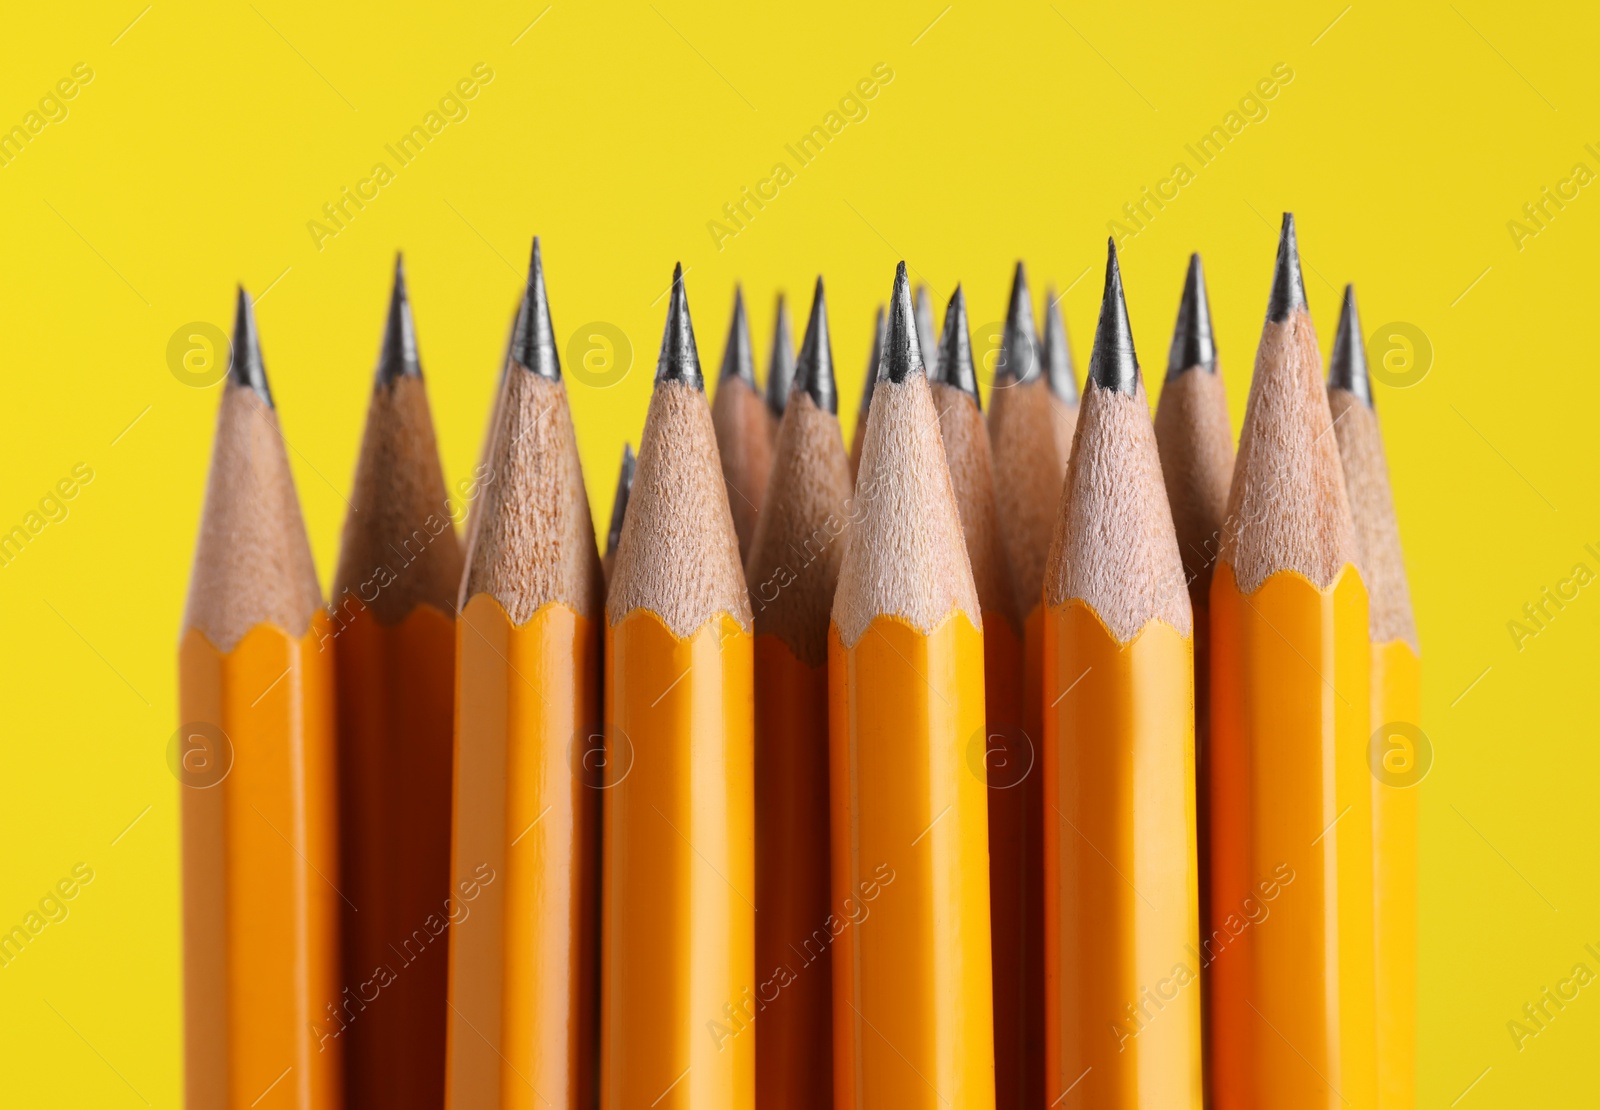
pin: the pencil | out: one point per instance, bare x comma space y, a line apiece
1196, 445
1123, 990
1396, 708
1060, 375
793, 568
780, 367
858, 435
1032, 414
521, 906
469, 531
619, 507
262, 997
913, 1015
926, 335
742, 423
678, 998
394, 602
1291, 795
1011, 760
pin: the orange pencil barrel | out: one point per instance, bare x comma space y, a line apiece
1396, 704
913, 1007
679, 936
263, 1006
1290, 939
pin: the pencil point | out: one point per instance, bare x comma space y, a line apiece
1192, 341
533, 346
780, 371
814, 372
927, 338
738, 359
879, 326
902, 354
1054, 354
679, 359
1020, 341
955, 349
245, 366
619, 504
1288, 284
1347, 368
398, 357
1113, 365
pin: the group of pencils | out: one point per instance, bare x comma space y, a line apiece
1039, 739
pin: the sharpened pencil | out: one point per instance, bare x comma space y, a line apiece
913, 1013
780, 367
743, 427
1290, 791
678, 1002
522, 894
1120, 863
858, 436
1396, 708
256, 756
619, 507
793, 569
394, 602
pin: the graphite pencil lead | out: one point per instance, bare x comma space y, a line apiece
814, 372
927, 338
879, 326
955, 349
1113, 365
680, 358
1192, 341
244, 365
533, 347
619, 504
1347, 368
398, 357
738, 357
1054, 354
902, 354
1020, 342
1288, 284
780, 371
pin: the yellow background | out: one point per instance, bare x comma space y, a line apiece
212, 133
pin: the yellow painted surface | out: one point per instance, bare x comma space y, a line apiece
913, 1008
1290, 940
524, 861
1121, 925
261, 868
678, 1006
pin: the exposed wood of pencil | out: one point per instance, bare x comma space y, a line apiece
1016, 876
1290, 795
858, 434
679, 991
1119, 759
619, 508
743, 427
393, 611
469, 531
522, 897
1396, 703
793, 569
913, 1017
256, 757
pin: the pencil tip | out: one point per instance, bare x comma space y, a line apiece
1113, 365
738, 360
533, 347
1018, 359
245, 366
902, 354
955, 349
680, 358
1055, 356
780, 371
1192, 341
814, 372
879, 327
398, 357
1347, 368
1288, 284
619, 504
927, 338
